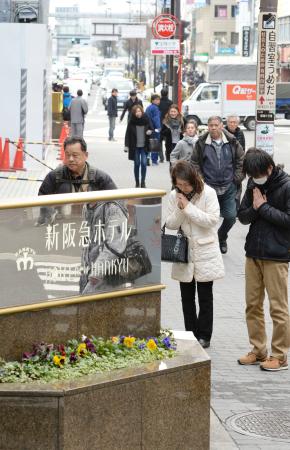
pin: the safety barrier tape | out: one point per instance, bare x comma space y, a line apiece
31, 156
15, 178
52, 142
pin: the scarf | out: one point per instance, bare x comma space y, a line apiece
174, 124
139, 121
188, 196
191, 140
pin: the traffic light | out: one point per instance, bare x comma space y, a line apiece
185, 31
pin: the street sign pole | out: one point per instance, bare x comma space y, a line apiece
266, 76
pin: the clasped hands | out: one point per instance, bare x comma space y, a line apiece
258, 198
182, 201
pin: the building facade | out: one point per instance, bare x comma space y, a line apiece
215, 31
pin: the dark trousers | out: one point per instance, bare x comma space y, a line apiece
228, 207
169, 150
201, 324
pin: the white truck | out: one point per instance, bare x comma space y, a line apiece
222, 99
231, 89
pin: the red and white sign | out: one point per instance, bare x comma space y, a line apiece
165, 47
239, 91
163, 27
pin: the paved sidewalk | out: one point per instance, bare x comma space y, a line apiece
235, 389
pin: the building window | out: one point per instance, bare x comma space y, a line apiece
234, 38
221, 11
235, 10
221, 38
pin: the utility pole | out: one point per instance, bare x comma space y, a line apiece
174, 67
154, 57
266, 76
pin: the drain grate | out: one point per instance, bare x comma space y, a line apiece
274, 425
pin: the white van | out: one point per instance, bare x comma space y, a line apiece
222, 99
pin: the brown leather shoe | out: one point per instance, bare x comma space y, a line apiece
251, 359
274, 364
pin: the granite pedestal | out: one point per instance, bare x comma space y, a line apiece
163, 405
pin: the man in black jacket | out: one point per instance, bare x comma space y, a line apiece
75, 175
112, 113
128, 105
266, 207
233, 128
164, 104
218, 157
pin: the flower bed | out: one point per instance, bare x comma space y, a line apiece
49, 362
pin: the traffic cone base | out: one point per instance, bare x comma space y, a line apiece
18, 160
5, 158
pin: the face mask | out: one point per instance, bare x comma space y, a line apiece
260, 180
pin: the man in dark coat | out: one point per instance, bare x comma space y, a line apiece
112, 113
218, 157
266, 207
128, 105
164, 104
233, 128
75, 175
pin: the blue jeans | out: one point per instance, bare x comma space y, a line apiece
228, 207
140, 159
112, 124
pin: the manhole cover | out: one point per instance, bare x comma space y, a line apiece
274, 425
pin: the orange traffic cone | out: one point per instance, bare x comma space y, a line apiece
0, 147
18, 160
5, 158
62, 135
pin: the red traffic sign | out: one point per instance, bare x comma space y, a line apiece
164, 26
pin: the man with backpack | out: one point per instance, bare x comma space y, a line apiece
75, 175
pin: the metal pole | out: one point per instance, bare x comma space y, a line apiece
177, 70
268, 5
154, 58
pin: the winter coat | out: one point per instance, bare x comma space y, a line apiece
198, 222
153, 113
128, 107
269, 232
164, 106
67, 98
131, 137
239, 135
183, 150
198, 158
78, 109
167, 136
112, 106
97, 254
60, 181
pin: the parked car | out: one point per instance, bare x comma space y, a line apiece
124, 86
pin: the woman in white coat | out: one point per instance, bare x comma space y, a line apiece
193, 207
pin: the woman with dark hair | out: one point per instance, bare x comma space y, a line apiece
137, 141
172, 129
194, 208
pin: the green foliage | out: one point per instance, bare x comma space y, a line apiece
49, 362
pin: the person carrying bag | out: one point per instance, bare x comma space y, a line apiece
193, 207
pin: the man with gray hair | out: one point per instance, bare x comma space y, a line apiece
232, 127
218, 156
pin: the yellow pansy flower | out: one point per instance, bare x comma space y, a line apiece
82, 348
151, 344
129, 341
58, 360
115, 339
